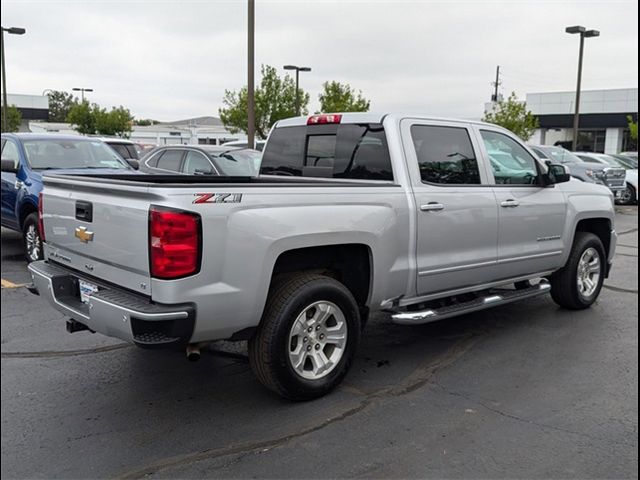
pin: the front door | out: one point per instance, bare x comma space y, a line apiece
531, 217
457, 217
9, 190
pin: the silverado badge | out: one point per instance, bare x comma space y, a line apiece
83, 234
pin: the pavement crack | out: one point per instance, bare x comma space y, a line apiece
517, 418
626, 255
627, 246
64, 353
626, 232
620, 290
420, 377
243, 448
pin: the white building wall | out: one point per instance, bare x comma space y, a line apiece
613, 140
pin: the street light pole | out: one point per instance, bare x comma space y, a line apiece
251, 107
584, 33
298, 70
82, 90
13, 31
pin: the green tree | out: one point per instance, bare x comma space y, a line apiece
145, 122
513, 115
633, 128
60, 104
340, 97
275, 99
14, 118
118, 121
82, 116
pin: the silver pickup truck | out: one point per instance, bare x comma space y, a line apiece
352, 213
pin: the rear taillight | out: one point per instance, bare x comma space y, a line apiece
40, 217
174, 243
324, 119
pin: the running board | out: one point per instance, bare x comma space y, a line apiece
492, 299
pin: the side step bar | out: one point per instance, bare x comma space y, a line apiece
492, 299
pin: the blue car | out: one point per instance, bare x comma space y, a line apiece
25, 156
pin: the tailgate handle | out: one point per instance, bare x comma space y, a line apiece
84, 211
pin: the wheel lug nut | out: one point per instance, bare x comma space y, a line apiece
305, 339
322, 336
308, 348
310, 329
317, 346
318, 327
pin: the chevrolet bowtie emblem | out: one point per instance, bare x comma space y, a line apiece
83, 234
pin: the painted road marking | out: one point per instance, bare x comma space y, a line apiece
8, 284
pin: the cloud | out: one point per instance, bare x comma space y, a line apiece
171, 60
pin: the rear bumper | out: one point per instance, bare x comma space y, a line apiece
112, 311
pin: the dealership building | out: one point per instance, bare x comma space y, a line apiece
604, 125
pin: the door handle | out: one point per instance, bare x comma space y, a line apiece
18, 185
511, 203
432, 207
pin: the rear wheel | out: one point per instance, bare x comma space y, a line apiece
577, 285
307, 337
31, 238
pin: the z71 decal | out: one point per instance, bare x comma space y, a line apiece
218, 198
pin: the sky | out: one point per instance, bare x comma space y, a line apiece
171, 60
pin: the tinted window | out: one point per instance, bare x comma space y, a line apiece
510, 161
170, 160
51, 154
588, 159
196, 162
123, 150
10, 152
356, 151
445, 155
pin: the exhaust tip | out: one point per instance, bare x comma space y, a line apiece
193, 352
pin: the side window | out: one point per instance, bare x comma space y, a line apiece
539, 152
588, 159
10, 152
196, 162
170, 160
445, 155
510, 161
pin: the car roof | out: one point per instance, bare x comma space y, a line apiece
48, 136
212, 149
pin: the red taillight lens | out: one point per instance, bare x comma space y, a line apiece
324, 119
174, 243
40, 217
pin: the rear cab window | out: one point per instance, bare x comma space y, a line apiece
347, 151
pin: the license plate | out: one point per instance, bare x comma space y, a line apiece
86, 290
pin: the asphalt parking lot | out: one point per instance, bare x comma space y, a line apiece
525, 390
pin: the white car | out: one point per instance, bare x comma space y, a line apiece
630, 195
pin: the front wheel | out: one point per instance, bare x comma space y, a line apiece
577, 285
31, 238
307, 337
628, 196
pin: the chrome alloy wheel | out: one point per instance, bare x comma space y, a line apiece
589, 269
626, 197
317, 340
33, 243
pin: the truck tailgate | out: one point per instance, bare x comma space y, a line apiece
99, 230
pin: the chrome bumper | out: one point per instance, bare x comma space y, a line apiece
112, 311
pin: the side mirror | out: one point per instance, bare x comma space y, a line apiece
9, 166
556, 174
133, 163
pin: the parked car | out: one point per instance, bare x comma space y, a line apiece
629, 195
627, 162
202, 160
353, 213
245, 144
613, 178
633, 155
125, 148
25, 156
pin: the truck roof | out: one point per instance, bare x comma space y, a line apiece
47, 136
369, 117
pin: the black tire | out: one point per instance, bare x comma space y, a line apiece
564, 283
31, 238
268, 348
629, 196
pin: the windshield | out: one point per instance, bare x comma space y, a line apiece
47, 154
239, 163
560, 155
610, 161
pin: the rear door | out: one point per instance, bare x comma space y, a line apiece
531, 234
457, 218
170, 161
